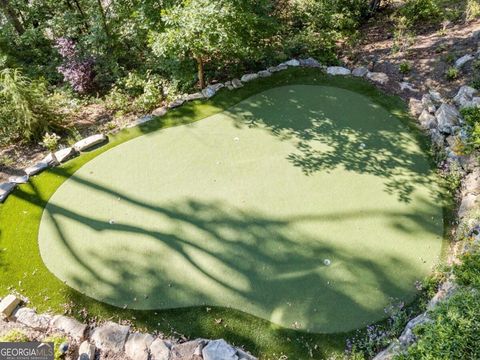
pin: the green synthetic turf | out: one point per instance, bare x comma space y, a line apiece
242, 208
22, 269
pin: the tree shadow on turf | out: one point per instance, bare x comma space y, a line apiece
364, 138
282, 280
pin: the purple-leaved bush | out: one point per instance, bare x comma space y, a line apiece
76, 70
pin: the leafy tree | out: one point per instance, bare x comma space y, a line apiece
209, 29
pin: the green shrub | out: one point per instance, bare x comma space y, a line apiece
26, 111
475, 82
472, 118
50, 141
452, 73
454, 333
405, 67
6, 160
468, 272
422, 11
472, 10
14, 336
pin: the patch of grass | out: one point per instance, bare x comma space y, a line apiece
57, 341
405, 67
452, 73
23, 270
14, 336
6, 160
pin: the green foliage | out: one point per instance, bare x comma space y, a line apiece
452, 73
475, 83
417, 11
454, 333
14, 336
468, 272
6, 160
472, 10
50, 141
472, 118
57, 341
405, 67
26, 110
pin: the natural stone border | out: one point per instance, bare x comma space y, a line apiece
116, 339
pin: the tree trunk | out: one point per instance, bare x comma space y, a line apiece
82, 14
104, 18
12, 16
201, 73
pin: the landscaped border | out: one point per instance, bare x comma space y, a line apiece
46, 292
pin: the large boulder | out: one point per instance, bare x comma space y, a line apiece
137, 346
277, 68
338, 70
447, 117
90, 142
219, 350
73, 328
110, 336
159, 350
310, 62
6, 189
30, 318
264, 73
236, 83
292, 62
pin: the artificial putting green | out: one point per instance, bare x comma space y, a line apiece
243, 208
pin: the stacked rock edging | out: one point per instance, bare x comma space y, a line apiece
115, 340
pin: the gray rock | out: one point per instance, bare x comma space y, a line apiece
65, 154
427, 120
249, 77
160, 111
309, 62
242, 355
188, 350
110, 336
476, 35
406, 86
219, 350
137, 346
208, 92
8, 304
90, 142
338, 70
36, 168
436, 96
195, 96
73, 328
5, 190
464, 96
447, 117
228, 85
277, 68
407, 336
427, 103
176, 103
30, 318
236, 83
469, 202
463, 60
437, 138
86, 351
51, 159
22, 179
415, 107
447, 289
471, 183
159, 350
292, 62
264, 73
360, 71
216, 86
378, 77
475, 102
